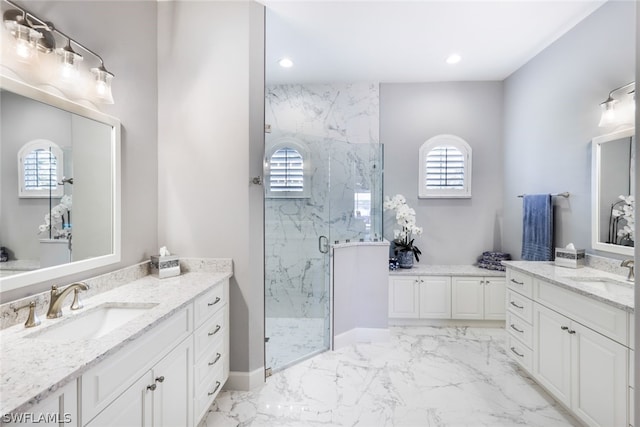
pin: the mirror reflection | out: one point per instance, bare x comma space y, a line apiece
57, 186
614, 177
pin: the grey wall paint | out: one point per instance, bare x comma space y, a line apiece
551, 114
211, 142
131, 56
456, 231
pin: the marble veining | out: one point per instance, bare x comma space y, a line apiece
293, 339
617, 295
424, 376
31, 368
445, 270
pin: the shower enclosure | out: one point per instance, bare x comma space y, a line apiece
317, 192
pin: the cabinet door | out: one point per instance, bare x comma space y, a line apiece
552, 352
599, 384
435, 297
131, 409
404, 297
61, 408
495, 289
173, 395
467, 299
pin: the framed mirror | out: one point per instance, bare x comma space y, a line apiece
69, 155
613, 178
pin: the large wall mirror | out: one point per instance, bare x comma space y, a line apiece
59, 189
613, 178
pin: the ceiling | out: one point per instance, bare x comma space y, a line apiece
409, 41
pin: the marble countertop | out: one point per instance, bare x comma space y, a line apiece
446, 270
32, 368
617, 292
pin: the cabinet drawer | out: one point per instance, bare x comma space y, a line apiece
207, 364
632, 331
520, 282
519, 352
204, 397
520, 306
632, 368
603, 318
207, 335
520, 329
210, 303
103, 383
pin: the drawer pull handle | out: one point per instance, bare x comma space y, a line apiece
160, 379
214, 303
516, 282
152, 387
517, 354
218, 356
516, 305
564, 328
215, 331
516, 329
211, 393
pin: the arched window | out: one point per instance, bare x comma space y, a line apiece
40, 169
445, 168
287, 165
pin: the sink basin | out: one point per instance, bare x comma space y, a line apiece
604, 283
95, 323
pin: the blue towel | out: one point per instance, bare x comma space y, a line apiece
537, 227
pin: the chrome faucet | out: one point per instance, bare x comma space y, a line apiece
57, 298
629, 264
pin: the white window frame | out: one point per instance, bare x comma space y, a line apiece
25, 151
304, 153
449, 193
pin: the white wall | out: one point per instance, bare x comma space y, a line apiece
211, 138
124, 34
456, 231
552, 112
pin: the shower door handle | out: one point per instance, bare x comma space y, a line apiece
323, 244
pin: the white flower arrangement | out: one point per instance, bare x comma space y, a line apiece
406, 218
54, 220
628, 214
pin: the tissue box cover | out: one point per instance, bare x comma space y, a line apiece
573, 258
165, 266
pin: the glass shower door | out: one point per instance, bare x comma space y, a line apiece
296, 249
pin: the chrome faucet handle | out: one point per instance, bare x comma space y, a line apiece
76, 304
32, 318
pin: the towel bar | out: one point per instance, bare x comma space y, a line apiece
565, 194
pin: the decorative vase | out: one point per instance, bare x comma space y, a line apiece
405, 259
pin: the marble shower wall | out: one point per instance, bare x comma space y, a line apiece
338, 126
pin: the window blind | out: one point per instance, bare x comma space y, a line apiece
40, 170
287, 171
444, 168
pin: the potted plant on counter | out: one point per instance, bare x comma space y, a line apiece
403, 239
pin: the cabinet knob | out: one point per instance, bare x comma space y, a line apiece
160, 379
217, 300
215, 331
152, 387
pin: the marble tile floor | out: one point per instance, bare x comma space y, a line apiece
293, 339
424, 376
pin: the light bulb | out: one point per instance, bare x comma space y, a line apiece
102, 85
68, 61
608, 117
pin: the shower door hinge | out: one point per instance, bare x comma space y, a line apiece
268, 372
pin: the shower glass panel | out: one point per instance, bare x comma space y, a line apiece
317, 191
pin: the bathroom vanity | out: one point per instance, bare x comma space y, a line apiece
572, 331
163, 366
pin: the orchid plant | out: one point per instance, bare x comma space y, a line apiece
54, 220
628, 214
406, 218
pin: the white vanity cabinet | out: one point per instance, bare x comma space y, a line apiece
446, 297
573, 345
61, 408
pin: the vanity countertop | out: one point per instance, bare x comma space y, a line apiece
446, 270
618, 294
32, 368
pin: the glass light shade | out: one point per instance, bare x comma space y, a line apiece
25, 40
608, 117
103, 84
69, 61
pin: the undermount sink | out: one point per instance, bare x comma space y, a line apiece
95, 323
600, 282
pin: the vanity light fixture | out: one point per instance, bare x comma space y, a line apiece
34, 35
619, 107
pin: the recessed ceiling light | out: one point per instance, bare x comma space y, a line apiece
285, 63
453, 59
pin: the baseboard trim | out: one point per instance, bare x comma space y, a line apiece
245, 381
357, 335
448, 322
